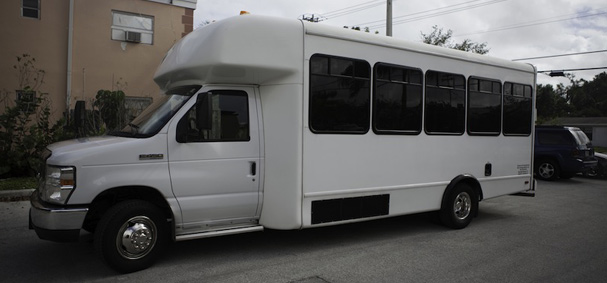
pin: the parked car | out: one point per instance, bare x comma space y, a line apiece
562, 152
600, 171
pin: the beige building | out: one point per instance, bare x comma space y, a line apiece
87, 45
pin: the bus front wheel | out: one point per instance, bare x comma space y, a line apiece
131, 235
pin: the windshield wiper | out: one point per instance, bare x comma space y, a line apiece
134, 128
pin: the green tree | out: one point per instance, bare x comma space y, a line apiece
25, 127
365, 29
589, 98
111, 108
439, 37
550, 103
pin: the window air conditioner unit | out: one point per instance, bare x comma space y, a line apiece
131, 36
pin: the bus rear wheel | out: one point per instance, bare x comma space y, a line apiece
459, 207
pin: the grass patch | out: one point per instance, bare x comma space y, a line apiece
22, 183
600, 149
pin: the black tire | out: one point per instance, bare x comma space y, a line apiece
131, 235
601, 171
459, 206
547, 169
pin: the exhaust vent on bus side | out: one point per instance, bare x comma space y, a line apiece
332, 210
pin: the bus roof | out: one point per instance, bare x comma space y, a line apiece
244, 49
259, 50
417, 47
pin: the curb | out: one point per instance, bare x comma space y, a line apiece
15, 195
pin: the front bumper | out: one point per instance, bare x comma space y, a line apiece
590, 164
55, 223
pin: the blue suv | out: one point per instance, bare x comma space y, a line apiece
562, 152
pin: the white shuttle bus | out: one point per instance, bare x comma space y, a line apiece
283, 124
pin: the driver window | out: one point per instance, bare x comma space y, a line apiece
221, 115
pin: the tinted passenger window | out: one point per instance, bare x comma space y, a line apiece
397, 100
555, 138
484, 107
339, 95
221, 115
445, 100
518, 109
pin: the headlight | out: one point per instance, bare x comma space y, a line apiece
58, 184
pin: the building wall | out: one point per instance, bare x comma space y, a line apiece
98, 62
44, 39
599, 136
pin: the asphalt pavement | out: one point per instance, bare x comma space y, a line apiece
558, 236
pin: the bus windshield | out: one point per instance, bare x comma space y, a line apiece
153, 118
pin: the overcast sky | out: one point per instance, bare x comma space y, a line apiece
512, 29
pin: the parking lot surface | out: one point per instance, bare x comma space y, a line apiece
558, 236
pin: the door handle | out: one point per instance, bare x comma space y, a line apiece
253, 168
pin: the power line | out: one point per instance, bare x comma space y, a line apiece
572, 70
354, 9
533, 23
351, 7
560, 55
440, 13
418, 13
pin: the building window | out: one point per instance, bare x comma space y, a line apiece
131, 27
30, 9
397, 100
339, 95
518, 109
26, 100
134, 106
484, 107
445, 103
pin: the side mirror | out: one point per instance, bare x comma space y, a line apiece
204, 111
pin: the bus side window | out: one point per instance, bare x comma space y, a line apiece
484, 107
223, 115
397, 100
518, 109
339, 95
444, 105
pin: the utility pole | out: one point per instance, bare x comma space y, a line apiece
389, 18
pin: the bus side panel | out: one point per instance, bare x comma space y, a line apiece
281, 107
350, 170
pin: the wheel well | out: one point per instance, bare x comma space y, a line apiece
540, 158
464, 179
110, 197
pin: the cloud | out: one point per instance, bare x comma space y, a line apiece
537, 28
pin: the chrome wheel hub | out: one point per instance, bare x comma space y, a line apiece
462, 205
136, 238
